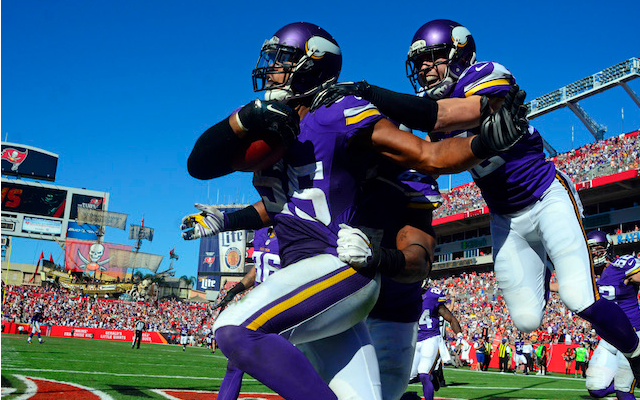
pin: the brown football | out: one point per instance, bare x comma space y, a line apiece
257, 154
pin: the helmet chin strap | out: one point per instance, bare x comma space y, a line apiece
278, 94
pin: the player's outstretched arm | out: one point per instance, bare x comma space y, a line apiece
498, 132
210, 221
213, 153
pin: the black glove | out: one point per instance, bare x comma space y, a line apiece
238, 288
339, 90
501, 130
272, 117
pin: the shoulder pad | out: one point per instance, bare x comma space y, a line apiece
349, 109
484, 78
628, 263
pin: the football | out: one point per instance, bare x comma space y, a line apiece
256, 154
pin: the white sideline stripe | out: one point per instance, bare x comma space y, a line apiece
506, 388
32, 387
116, 374
468, 371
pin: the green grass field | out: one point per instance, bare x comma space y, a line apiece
116, 370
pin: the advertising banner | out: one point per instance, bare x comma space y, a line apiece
83, 232
105, 334
41, 225
89, 257
33, 200
208, 282
84, 201
232, 247
208, 260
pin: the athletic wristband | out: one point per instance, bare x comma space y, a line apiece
479, 149
247, 218
415, 112
389, 262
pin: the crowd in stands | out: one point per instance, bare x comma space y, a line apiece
602, 158
477, 304
475, 301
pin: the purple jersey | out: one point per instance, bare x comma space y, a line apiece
519, 344
428, 325
611, 286
511, 180
393, 198
316, 186
37, 317
265, 254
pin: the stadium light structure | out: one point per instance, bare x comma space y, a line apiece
569, 95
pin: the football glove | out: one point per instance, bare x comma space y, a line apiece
354, 247
504, 128
270, 117
231, 294
209, 222
339, 90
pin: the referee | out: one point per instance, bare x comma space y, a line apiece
140, 326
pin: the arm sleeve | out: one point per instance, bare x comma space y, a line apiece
415, 112
213, 153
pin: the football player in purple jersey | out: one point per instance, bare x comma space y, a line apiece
535, 210
429, 338
312, 191
266, 261
609, 370
35, 321
395, 213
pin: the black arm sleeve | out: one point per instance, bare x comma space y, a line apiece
247, 218
238, 288
212, 154
415, 112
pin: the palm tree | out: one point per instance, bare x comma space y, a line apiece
136, 276
189, 280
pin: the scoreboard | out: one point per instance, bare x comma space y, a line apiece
46, 211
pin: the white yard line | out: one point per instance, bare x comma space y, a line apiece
119, 374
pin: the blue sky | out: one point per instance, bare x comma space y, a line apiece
121, 90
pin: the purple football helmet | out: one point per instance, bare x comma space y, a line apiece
440, 38
601, 248
308, 58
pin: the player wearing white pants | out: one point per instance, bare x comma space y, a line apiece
326, 298
395, 344
609, 365
523, 240
426, 357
